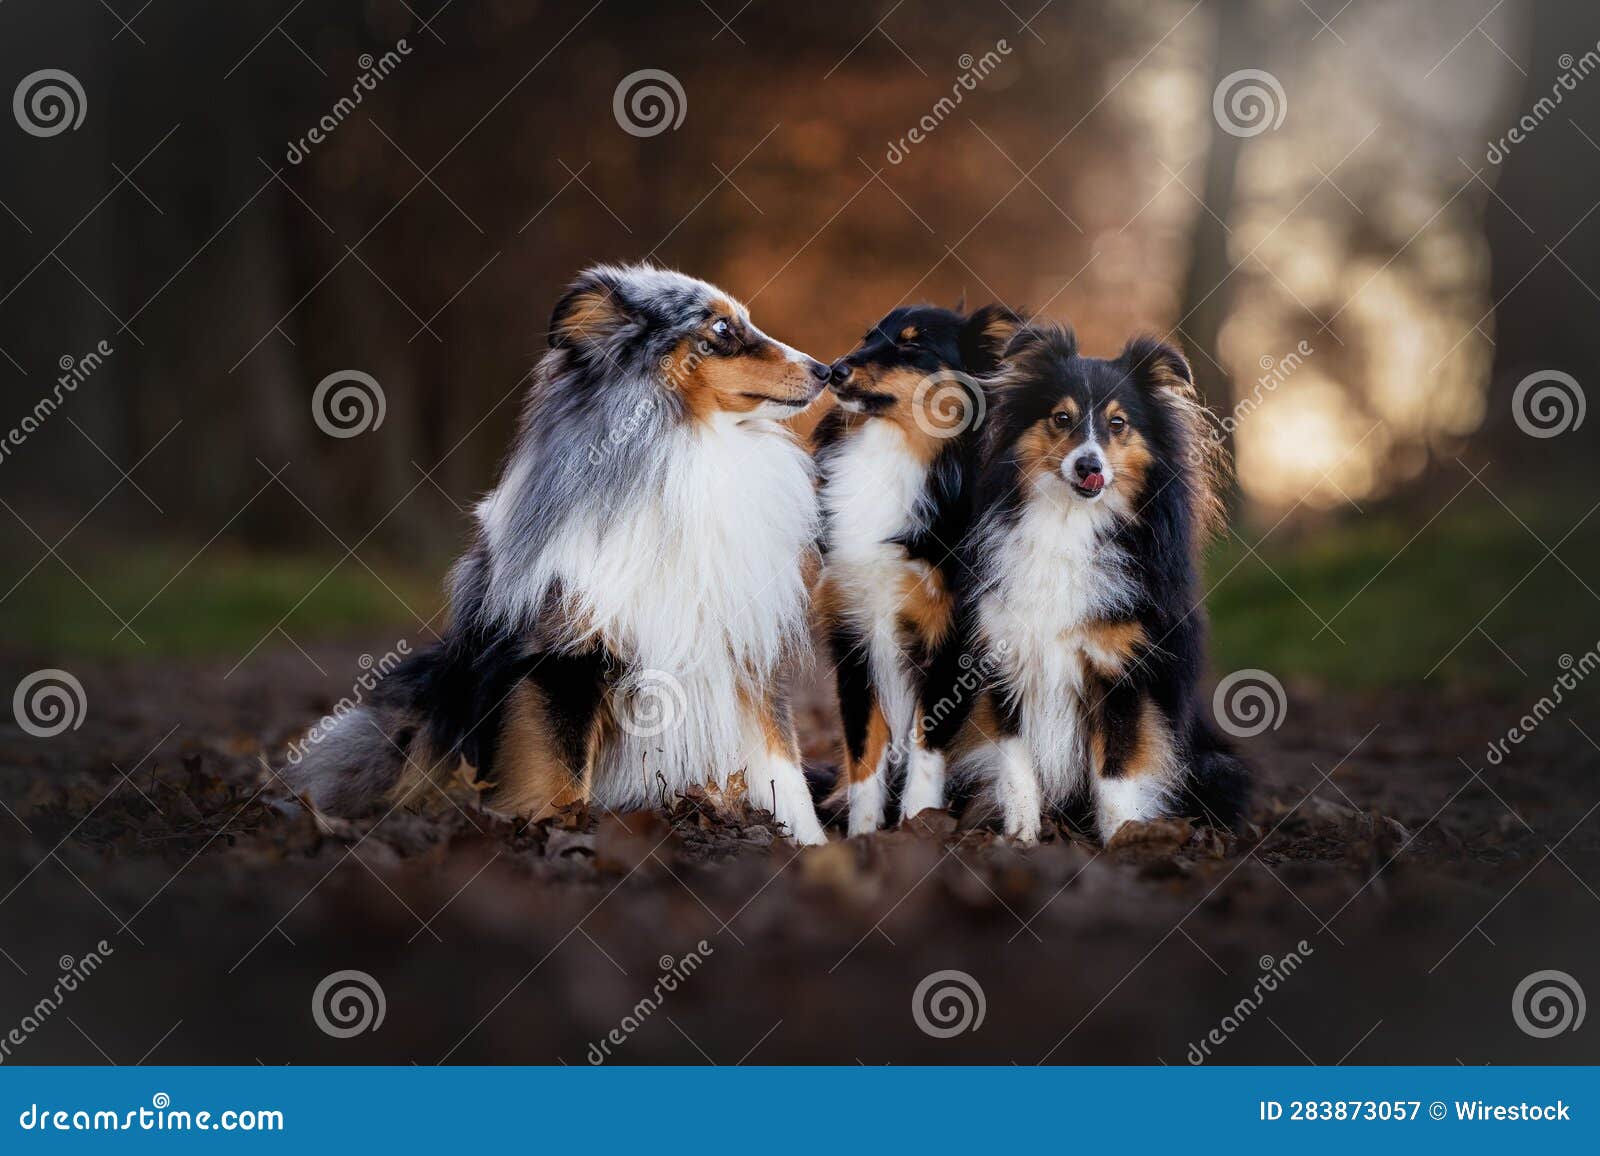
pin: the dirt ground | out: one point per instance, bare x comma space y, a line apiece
1410, 892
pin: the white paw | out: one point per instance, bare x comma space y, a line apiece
866, 806
863, 824
1024, 832
810, 835
912, 806
924, 785
1119, 801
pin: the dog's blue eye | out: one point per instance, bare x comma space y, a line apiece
721, 327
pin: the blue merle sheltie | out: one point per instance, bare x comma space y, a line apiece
624, 622
897, 461
1098, 492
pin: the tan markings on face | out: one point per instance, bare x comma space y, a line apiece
926, 607
1045, 445
711, 382
909, 333
1127, 451
877, 740
901, 383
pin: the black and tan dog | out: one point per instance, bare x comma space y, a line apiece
1097, 494
897, 460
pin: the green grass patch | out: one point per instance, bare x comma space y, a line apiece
1468, 584
1395, 610
222, 603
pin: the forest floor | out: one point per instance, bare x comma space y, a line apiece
1399, 884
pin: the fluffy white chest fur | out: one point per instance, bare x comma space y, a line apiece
1053, 572
698, 588
871, 496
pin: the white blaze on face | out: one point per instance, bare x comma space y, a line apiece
1092, 450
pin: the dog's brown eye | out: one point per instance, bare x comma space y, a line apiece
1061, 420
1118, 424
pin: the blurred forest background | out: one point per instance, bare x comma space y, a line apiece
1371, 224
1360, 278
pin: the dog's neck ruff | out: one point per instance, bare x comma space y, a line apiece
697, 564
1045, 576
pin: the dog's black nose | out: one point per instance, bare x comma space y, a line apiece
840, 372
1088, 464
821, 371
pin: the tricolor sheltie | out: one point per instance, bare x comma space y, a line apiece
623, 625
1096, 498
897, 462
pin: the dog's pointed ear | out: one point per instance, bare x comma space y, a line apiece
1160, 365
591, 310
985, 336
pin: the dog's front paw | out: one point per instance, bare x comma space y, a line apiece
1023, 829
813, 836
924, 785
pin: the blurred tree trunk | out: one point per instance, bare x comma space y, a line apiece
1208, 289
1545, 263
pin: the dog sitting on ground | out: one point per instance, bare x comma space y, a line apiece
624, 623
1097, 495
896, 460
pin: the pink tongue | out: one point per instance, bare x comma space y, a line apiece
1093, 482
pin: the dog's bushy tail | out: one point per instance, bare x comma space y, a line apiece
353, 760
1218, 787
